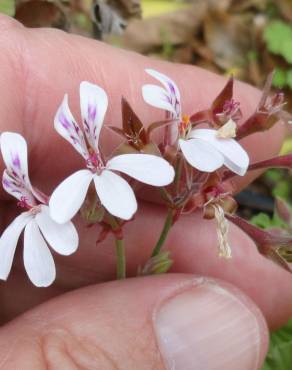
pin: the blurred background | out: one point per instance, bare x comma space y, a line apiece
246, 38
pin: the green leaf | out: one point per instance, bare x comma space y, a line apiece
278, 36
274, 175
289, 78
261, 220
7, 7
279, 356
286, 50
282, 189
280, 78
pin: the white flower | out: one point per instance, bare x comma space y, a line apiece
39, 228
114, 193
205, 149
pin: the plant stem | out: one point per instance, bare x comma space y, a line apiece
166, 227
120, 248
121, 259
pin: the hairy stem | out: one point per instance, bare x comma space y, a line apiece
120, 247
121, 259
166, 227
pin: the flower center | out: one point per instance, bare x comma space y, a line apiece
35, 210
184, 126
94, 162
22, 203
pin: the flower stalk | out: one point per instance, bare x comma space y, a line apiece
121, 259
164, 233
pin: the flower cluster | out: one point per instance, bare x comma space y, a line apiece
191, 165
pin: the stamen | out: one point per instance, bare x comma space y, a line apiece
227, 131
184, 124
35, 210
94, 162
22, 203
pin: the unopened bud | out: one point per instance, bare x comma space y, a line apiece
156, 265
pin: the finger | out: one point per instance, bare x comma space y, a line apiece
39, 66
169, 322
194, 249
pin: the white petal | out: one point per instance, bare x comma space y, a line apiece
8, 243
14, 152
38, 261
146, 168
67, 127
171, 88
68, 197
115, 194
201, 155
63, 238
158, 97
93, 103
14, 186
235, 157
167, 82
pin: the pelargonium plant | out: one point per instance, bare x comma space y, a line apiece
191, 162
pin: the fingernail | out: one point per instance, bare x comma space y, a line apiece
207, 327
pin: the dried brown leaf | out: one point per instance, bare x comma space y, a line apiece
41, 13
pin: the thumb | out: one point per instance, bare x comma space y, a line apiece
167, 322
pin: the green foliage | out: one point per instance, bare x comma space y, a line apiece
278, 37
280, 352
280, 78
280, 182
289, 79
282, 189
7, 7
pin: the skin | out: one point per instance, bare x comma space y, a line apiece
36, 68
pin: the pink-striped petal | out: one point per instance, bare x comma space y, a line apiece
93, 104
14, 152
115, 194
67, 127
15, 187
147, 168
158, 98
171, 88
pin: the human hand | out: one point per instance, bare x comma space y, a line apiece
111, 325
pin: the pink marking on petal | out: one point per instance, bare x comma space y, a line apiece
15, 160
65, 123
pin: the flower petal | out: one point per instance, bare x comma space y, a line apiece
68, 197
201, 155
63, 238
93, 103
15, 187
8, 243
171, 88
14, 152
235, 157
67, 127
38, 260
158, 97
16, 181
115, 194
147, 168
